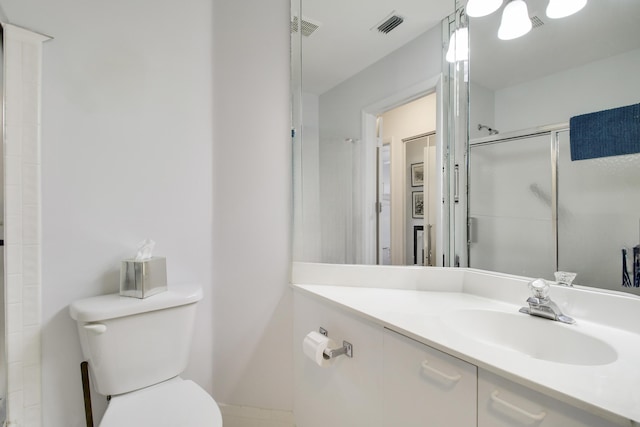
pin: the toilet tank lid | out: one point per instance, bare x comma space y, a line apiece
113, 306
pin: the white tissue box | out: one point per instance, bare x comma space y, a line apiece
141, 279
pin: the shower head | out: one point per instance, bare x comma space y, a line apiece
491, 130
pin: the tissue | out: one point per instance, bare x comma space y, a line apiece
314, 345
144, 275
145, 250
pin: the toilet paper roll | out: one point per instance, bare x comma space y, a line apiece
314, 345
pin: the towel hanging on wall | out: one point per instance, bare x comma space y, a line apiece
605, 133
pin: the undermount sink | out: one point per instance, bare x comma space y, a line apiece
532, 336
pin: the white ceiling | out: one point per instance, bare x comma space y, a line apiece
344, 45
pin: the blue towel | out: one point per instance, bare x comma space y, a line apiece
605, 133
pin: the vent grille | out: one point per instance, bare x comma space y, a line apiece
308, 27
536, 22
392, 22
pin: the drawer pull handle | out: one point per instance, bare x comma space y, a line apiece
96, 328
427, 367
536, 417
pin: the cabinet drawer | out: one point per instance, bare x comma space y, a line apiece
422, 386
503, 403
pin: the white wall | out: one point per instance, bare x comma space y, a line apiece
481, 109
414, 118
308, 230
599, 85
252, 205
168, 121
608, 83
341, 117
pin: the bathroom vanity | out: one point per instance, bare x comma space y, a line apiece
448, 347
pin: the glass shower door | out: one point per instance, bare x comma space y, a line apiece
510, 200
601, 196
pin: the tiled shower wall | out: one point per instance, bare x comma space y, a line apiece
22, 77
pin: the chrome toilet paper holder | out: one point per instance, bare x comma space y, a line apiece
346, 349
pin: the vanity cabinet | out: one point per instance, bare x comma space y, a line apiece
393, 380
422, 386
347, 392
503, 403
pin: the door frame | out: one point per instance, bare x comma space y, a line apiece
369, 165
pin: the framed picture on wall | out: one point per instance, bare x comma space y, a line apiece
417, 174
417, 204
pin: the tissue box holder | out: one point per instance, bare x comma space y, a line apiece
141, 279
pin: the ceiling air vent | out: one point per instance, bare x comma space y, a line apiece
308, 27
536, 22
390, 24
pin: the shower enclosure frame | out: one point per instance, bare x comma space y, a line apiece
553, 132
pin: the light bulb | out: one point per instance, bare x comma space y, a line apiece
458, 46
561, 8
515, 20
479, 8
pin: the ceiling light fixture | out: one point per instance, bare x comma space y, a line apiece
515, 20
458, 46
561, 8
480, 8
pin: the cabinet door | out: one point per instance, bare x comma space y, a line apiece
348, 392
503, 403
422, 386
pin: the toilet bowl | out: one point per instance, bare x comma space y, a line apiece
136, 350
173, 403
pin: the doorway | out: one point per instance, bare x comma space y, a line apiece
407, 183
421, 189
383, 195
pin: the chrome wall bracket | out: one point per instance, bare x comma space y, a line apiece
346, 349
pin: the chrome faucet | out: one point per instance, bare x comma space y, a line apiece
541, 305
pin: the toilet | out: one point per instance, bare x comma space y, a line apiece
136, 350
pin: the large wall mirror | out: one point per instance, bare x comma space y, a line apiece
532, 209
368, 155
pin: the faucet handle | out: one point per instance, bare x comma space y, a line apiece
539, 288
565, 278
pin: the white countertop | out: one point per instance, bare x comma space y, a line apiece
603, 389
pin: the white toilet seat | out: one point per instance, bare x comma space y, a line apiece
173, 403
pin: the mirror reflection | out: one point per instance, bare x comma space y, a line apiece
539, 201
371, 147
531, 209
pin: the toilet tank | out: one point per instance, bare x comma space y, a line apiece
133, 343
